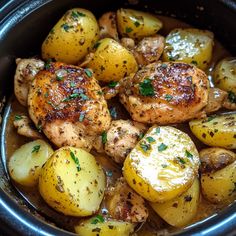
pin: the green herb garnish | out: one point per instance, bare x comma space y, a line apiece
104, 137
59, 78
81, 116
96, 45
18, 117
109, 173
112, 84
36, 149
141, 135
194, 62
47, 65
97, 218
150, 139
232, 97
162, 147
164, 165
188, 154
145, 146
88, 72
72, 84
66, 27
146, 88
76, 161
75, 95
136, 23
158, 130
113, 112
181, 160
128, 30
168, 97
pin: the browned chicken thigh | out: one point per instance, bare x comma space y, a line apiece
66, 102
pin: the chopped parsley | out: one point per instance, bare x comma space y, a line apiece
72, 84
75, 95
76, 14
128, 30
104, 137
113, 112
232, 97
141, 135
96, 45
88, 72
76, 161
136, 23
18, 117
150, 139
47, 65
81, 116
146, 88
145, 146
99, 92
194, 62
97, 219
66, 27
162, 147
168, 97
46, 95
158, 130
36, 149
80, 14
59, 78
109, 173
112, 84
210, 118
181, 160
164, 165
188, 154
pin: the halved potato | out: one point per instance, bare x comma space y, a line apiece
218, 130
111, 227
137, 24
26, 162
189, 46
162, 165
181, 210
72, 182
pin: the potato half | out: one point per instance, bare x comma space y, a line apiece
26, 162
162, 165
181, 210
189, 46
72, 182
72, 37
218, 130
111, 61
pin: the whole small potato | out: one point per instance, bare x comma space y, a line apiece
111, 61
181, 210
137, 24
225, 75
72, 37
189, 46
72, 182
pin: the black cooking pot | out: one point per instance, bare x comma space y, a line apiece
23, 27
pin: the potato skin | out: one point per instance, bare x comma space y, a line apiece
181, 210
72, 37
111, 61
220, 186
26, 162
162, 165
189, 46
137, 24
216, 131
111, 227
224, 75
72, 182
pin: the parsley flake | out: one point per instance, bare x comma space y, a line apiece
145, 146
150, 139
158, 130
97, 218
146, 88
112, 84
194, 62
81, 116
88, 72
75, 95
72, 84
128, 30
59, 78
113, 112
36, 149
136, 23
141, 135
181, 160
76, 161
162, 147
66, 27
109, 173
18, 117
168, 97
104, 137
188, 154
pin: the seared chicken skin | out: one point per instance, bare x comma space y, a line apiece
25, 73
165, 93
66, 102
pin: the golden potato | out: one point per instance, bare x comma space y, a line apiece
189, 46
137, 24
181, 210
224, 77
162, 165
26, 162
72, 37
111, 61
220, 186
104, 228
218, 130
72, 182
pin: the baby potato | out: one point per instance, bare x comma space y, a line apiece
26, 162
162, 165
104, 228
72, 182
137, 24
224, 75
220, 186
72, 37
218, 130
181, 210
189, 46
111, 61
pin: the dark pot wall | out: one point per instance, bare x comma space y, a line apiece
24, 25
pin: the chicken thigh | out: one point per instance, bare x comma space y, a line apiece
165, 93
66, 102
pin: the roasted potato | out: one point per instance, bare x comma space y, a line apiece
189, 46
111, 61
218, 130
72, 37
26, 162
104, 228
218, 174
137, 24
224, 77
162, 165
181, 210
72, 182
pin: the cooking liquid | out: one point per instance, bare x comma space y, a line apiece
112, 170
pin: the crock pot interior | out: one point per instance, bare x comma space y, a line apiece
23, 27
